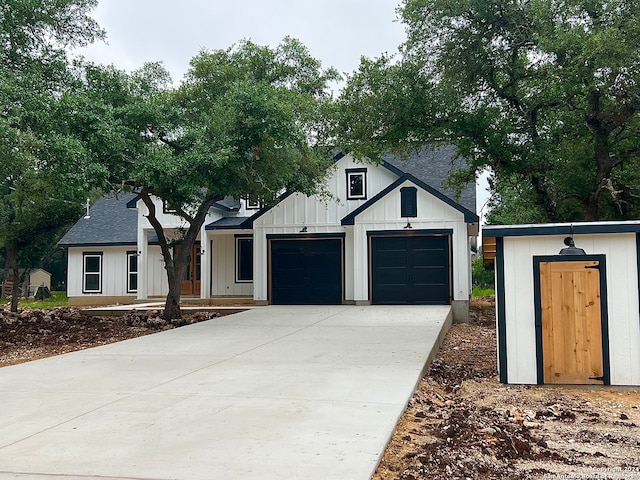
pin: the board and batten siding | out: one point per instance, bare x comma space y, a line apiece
297, 211
433, 214
318, 216
622, 301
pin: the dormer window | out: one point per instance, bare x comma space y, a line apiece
168, 208
252, 203
357, 184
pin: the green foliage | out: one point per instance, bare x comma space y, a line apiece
248, 124
41, 167
482, 292
542, 93
58, 299
244, 122
483, 276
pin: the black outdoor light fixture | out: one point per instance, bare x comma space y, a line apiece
571, 248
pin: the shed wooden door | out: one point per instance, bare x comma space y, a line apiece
571, 322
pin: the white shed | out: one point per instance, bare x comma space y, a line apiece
567, 315
39, 278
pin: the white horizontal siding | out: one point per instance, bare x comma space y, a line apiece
114, 271
157, 283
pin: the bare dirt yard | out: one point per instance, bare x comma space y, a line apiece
32, 334
460, 424
463, 424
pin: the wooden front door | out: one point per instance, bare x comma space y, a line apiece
571, 322
191, 280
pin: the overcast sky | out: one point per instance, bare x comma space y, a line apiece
338, 32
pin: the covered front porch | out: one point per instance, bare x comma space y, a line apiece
220, 269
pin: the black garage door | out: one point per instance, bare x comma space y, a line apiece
410, 270
306, 271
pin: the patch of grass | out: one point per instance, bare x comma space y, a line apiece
482, 292
58, 299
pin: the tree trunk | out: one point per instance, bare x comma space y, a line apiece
176, 268
172, 305
605, 163
544, 199
176, 264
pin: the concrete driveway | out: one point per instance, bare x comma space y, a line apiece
296, 392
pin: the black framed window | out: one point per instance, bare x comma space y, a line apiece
356, 184
408, 202
168, 208
132, 271
92, 272
244, 259
252, 203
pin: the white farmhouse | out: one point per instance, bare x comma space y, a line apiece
391, 235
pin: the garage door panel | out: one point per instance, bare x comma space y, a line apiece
394, 244
431, 276
392, 276
392, 259
392, 295
410, 270
306, 271
430, 294
430, 257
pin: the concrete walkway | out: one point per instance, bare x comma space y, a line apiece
272, 393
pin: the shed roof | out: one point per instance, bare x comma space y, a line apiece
497, 231
491, 232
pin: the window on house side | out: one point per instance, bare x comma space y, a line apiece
357, 184
168, 208
408, 202
132, 272
252, 203
244, 259
92, 272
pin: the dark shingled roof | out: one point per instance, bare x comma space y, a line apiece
228, 204
432, 165
228, 223
110, 223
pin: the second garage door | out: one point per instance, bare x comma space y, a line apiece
306, 271
410, 270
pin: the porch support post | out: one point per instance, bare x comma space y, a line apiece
205, 263
142, 263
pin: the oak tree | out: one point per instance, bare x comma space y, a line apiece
544, 93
